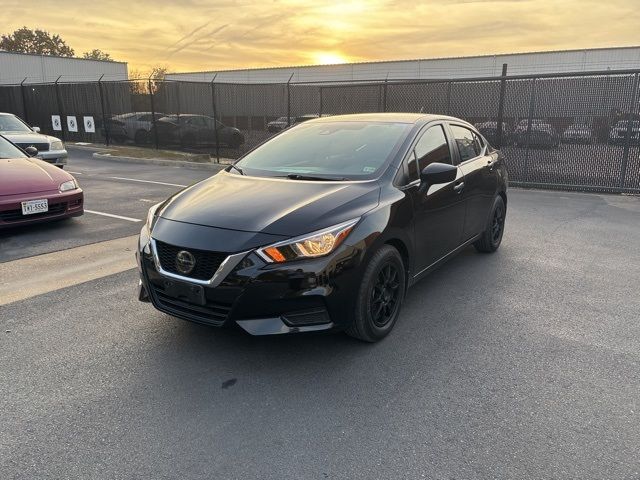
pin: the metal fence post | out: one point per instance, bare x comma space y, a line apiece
289, 101
500, 120
320, 109
25, 113
104, 114
384, 94
532, 105
449, 98
59, 101
177, 84
153, 115
627, 140
215, 116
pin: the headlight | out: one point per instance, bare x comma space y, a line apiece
315, 244
66, 186
151, 216
56, 145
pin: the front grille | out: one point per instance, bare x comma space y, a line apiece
42, 147
16, 215
206, 262
213, 312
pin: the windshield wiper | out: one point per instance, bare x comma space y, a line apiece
238, 169
295, 176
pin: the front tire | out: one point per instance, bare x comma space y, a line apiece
141, 137
492, 235
380, 296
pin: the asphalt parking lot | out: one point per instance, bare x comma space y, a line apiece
521, 364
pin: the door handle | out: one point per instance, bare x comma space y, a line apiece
458, 187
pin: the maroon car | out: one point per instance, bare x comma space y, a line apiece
32, 190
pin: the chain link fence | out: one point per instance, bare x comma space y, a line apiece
570, 131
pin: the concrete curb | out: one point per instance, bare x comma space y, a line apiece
157, 161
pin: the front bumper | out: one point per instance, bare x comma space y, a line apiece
61, 205
264, 299
56, 157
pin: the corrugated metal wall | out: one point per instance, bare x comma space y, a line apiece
15, 67
461, 67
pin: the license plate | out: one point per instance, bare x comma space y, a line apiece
187, 292
35, 206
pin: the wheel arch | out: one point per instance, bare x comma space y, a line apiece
503, 194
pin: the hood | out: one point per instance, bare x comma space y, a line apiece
29, 175
273, 206
26, 137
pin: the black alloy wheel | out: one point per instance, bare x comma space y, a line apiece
380, 295
385, 295
497, 224
492, 236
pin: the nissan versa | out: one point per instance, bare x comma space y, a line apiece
325, 226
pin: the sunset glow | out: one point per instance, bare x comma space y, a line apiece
210, 35
329, 58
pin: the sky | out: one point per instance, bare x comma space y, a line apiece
195, 35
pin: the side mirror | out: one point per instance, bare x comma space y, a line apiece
435, 173
36, 129
31, 151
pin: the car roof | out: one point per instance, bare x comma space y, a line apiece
392, 117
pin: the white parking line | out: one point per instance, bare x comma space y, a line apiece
129, 219
148, 181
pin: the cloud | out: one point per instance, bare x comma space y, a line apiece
287, 32
190, 34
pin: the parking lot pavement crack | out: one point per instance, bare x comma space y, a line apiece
28, 277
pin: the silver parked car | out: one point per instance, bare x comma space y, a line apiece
50, 149
134, 126
578, 133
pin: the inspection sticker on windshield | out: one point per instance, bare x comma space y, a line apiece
369, 169
35, 206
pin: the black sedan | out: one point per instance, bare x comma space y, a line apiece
192, 130
325, 226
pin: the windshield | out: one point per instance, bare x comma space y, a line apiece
8, 150
333, 150
9, 123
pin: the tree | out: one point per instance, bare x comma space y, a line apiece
142, 80
158, 72
25, 40
97, 54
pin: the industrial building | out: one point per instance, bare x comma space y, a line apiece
29, 68
566, 61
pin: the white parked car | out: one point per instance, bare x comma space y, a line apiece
134, 126
618, 132
578, 133
50, 149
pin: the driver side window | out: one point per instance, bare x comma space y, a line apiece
432, 147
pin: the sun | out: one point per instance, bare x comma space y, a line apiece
329, 58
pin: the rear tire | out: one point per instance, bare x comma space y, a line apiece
492, 235
235, 142
380, 296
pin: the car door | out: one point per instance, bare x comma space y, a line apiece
480, 181
438, 210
